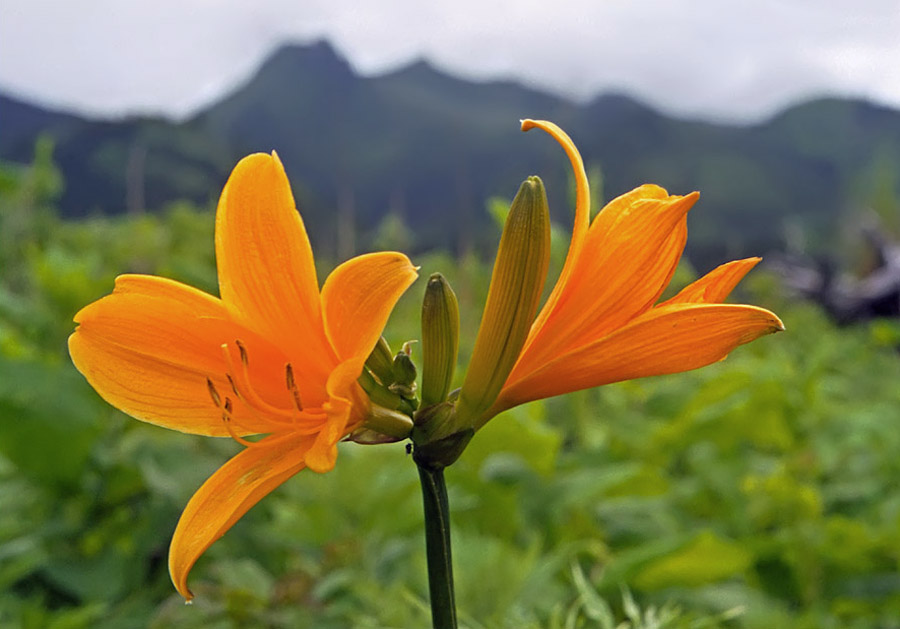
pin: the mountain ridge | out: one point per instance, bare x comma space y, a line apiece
429, 147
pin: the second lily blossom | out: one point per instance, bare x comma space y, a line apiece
602, 323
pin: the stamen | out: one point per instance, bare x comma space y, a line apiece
226, 418
227, 409
242, 387
292, 387
213, 393
244, 359
234, 387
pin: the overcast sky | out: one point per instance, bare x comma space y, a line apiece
719, 59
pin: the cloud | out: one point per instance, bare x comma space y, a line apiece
732, 60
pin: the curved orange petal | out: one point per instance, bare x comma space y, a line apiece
149, 347
716, 285
629, 256
346, 409
358, 297
229, 494
582, 218
666, 339
267, 277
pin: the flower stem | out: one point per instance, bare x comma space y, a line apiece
437, 547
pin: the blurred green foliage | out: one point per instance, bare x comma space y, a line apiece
761, 492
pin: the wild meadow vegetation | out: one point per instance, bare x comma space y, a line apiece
761, 492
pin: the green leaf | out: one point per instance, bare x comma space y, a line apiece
706, 559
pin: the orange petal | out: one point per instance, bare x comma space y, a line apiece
346, 409
629, 256
582, 217
227, 495
149, 347
667, 339
266, 273
358, 297
716, 285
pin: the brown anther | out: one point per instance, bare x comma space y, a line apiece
213, 393
292, 386
289, 376
233, 385
226, 419
243, 351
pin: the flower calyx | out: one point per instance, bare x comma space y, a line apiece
390, 386
438, 439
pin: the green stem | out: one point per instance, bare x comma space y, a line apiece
437, 547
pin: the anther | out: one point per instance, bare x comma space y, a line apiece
226, 419
234, 386
292, 386
213, 393
241, 385
243, 351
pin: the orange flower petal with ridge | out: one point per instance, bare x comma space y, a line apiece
267, 277
582, 219
635, 243
346, 408
227, 495
149, 347
667, 339
715, 286
358, 298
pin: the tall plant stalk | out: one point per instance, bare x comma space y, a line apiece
437, 547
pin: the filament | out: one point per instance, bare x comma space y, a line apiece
245, 391
226, 419
239, 380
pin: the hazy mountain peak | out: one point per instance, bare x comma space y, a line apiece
319, 57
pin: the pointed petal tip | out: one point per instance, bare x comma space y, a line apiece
687, 201
778, 324
769, 322
179, 580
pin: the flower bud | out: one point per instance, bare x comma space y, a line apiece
380, 361
383, 425
515, 291
383, 396
440, 339
403, 375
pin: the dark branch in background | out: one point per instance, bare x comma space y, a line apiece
849, 298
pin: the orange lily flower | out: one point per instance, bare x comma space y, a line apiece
600, 325
272, 357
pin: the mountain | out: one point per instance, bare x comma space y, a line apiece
431, 148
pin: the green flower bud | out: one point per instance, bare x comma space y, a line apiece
440, 339
383, 396
515, 291
380, 361
403, 375
389, 423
